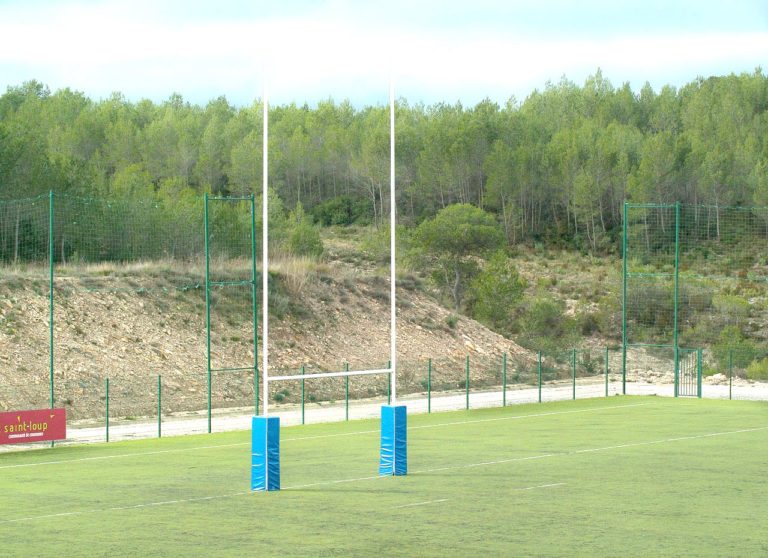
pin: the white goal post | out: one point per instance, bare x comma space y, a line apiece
392, 369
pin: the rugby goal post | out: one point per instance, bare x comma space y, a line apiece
265, 445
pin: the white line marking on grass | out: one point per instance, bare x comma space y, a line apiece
589, 450
437, 469
319, 437
183, 501
542, 486
421, 504
49, 516
328, 483
484, 463
517, 417
678, 439
119, 456
122, 508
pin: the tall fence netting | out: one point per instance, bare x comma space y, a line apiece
695, 278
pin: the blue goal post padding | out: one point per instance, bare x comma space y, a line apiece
265, 453
394, 440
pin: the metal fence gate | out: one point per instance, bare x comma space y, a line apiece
688, 373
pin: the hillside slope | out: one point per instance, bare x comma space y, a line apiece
131, 325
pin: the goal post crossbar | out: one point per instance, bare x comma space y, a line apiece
332, 374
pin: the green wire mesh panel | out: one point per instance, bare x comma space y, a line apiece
231, 302
24, 234
24, 303
127, 277
715, 260
650, 274
590, 373
121, 279
722, 274
522, 378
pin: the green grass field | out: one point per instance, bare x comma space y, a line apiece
622, 476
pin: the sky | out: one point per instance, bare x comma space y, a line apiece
433, 51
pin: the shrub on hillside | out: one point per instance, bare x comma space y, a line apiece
343, 210
546, 327
758, 370
303, 237
496, 293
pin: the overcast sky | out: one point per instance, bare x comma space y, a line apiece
435, 50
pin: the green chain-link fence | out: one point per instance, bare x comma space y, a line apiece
695, 278
84, 281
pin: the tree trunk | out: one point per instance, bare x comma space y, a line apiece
456, 289
16, 242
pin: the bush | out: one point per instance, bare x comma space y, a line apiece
545, 326
731, 347
496, 292
758, 370
734, 307
343, 210
303, 238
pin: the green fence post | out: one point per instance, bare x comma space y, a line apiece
159, 406
624, 245
346, 391
675, 337
302, 396
429, 386
107, 409
50, 299
699, 371
573, 371
606, 371
467, 381
389, 383
256, 391
539, 373
207, 304
504, 380
730, 374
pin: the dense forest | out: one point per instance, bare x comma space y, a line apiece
555, 167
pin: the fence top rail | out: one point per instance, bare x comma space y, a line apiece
649, 205
230, 198
696, 205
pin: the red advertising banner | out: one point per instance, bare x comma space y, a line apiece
41, 425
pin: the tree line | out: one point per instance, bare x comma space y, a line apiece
553, 168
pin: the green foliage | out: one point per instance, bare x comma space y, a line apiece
732, 348
545, 326
343, 210
376, 243
496, 292
278, 222
733, 307
281, 395
451, 320
553, 168
303, 237
452, 242
758, 370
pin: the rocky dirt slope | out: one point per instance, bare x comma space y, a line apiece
131, 328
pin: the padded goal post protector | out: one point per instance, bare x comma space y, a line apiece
265, 453
394, 440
